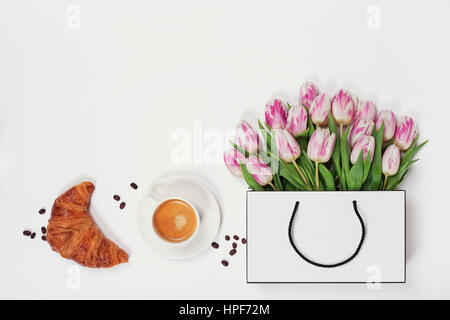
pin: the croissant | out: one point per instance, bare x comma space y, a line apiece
73, 233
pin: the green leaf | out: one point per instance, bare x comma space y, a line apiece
345, 158
373, 181
250, 180
304, 134
289, 172
355, 176
277, 182
290, 187
307, 167
406, 162
240, 149
311, 127
395, 180
336, 156
327, 178
366, 164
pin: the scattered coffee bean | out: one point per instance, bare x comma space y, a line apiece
122, 205
33, 235
27, 233
234, 245
235, 237
225, 263
227, 238
44, 238
134, 185
244, 241
233, 252
43, 230
42, 211
116, 197
215, 245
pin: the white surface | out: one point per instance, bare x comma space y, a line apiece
327, 234
103, 101
198, 195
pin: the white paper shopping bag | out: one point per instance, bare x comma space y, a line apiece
329, 242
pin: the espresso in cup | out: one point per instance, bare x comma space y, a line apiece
175, 221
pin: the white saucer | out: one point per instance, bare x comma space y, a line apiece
195, 192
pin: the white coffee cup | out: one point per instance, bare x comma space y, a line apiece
180, 243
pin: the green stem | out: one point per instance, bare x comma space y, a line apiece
385, 181
275, 189
317, 176
302, 175
341, 128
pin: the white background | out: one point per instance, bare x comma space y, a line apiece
101, 103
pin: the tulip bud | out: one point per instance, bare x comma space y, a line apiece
297, 120
391, 160
320, 108
343, 107
260, 171
308, 92
275, 114
233, 159
288, 147
365, 144
321, 145
366, 109
405, 133
246, 137
361, 127
389, 124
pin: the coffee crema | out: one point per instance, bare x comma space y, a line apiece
175, 220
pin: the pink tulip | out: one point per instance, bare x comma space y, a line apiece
391, 160
365, 144
247, 137
389, 124
289, 150
260, 171
405, 133
233, 159
297, 120
321, 145
343, 107
367, 110
288, 147
275, 114
320, 108
361, 127
308, 92
320, 148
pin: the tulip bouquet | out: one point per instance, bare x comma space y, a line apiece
349, 146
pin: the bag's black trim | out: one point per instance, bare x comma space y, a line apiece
321, 265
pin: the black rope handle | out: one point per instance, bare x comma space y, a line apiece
363, 236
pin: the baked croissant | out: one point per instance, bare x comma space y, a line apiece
74, 234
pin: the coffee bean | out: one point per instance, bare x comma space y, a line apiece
33, 235
215, 245
43, 230
122, 205
44, 238
42, 211
116, 197
227, 238
233, 252
27, 233
134, 185
244, 241
225, 263
234, 245
235, 237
